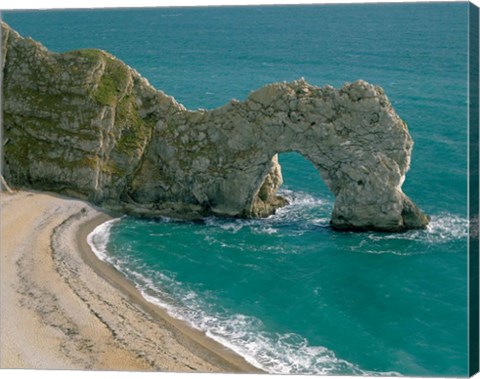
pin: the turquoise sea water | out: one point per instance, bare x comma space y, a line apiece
288, 293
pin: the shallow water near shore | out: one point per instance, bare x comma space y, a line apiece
287, 292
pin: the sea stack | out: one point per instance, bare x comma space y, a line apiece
85, 124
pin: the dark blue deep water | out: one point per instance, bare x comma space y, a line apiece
288, 293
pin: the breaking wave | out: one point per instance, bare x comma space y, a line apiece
303, 213
99, 237
275, 353
443, 229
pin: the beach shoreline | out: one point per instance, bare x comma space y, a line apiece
87, 315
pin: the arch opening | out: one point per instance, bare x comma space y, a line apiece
290, 178
300, 175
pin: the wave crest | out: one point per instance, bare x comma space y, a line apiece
303, 213
99, 237
443, 228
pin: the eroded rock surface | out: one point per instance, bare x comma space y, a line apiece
85, 124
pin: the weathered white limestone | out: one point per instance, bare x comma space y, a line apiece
92, 127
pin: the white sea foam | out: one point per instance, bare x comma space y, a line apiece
447, 227
98, 239
299, 201
232, 226
303, 213
265, 230
275, 353
442, 229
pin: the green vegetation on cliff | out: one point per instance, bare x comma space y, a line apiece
114, 80
136, 130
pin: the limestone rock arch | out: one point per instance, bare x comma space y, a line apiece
85, 124
353, 137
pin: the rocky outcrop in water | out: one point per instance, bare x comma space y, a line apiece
85, 124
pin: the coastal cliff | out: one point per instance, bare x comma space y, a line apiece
85, 124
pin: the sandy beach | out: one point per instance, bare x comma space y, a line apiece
62, 308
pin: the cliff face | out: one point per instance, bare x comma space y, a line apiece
76, 122
85, 124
